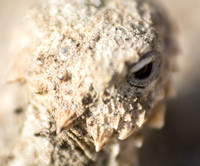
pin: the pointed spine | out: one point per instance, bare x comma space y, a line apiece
64, 119
101, 136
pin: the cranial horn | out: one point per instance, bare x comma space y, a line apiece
125, 131
64, 120
157, 118
101, 136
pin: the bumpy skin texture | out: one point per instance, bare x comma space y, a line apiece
81, 76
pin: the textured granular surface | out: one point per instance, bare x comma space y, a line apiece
93, 74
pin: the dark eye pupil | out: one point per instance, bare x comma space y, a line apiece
144, 72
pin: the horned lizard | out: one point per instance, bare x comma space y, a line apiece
94, 73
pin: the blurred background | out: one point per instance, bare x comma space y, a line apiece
178, 143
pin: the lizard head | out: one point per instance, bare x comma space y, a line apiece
100, 69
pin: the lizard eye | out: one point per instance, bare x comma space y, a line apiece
145, 71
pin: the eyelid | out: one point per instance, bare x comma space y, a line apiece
141, 64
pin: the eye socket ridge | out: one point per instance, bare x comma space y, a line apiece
144, 71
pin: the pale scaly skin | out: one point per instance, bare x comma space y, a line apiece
82, 98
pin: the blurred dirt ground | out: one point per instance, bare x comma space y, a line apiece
178, 143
